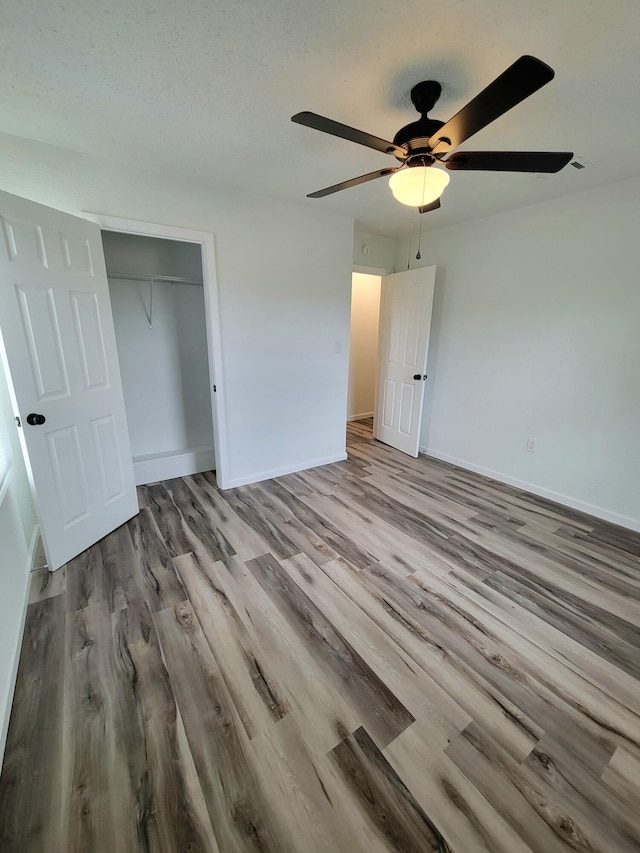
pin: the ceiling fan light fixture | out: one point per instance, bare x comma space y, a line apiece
418, 185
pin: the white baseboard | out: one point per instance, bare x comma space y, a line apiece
557, 497
178, 463
360, 417
280, 472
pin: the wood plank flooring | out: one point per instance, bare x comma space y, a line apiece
384, 654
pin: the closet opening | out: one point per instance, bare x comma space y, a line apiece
167, 333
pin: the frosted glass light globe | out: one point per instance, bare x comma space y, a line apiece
418, 185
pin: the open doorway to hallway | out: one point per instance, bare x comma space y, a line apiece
390, 324
363, 349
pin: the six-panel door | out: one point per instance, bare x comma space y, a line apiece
60, 354
403, 341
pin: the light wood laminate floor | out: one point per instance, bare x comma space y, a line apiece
384, 654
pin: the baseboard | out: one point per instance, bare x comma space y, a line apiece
280, 472
8, 700
557, 497
360, 417
166, 466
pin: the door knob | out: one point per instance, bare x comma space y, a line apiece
35, 420
417, 376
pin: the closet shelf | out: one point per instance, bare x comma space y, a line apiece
170, 279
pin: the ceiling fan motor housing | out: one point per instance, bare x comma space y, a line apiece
414, 137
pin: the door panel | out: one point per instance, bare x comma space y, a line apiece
59, 351
407, 403
24, 241
105, 435
88, 324
42, 336
405, 321
70, 482
395, 334
389, 400
76, 253
411, 355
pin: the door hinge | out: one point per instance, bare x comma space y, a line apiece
18, 422
214, 388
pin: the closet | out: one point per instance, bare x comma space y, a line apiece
157, 297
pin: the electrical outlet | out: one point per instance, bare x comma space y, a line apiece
531, 445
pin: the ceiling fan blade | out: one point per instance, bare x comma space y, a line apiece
520, 80
371, 176
327, 125
509, 161
434, 205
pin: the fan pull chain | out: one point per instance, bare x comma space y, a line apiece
424, 181
418, 255
409, 244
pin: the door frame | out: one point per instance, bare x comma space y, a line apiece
206, 241
379, 272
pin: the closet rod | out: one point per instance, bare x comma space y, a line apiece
170, 279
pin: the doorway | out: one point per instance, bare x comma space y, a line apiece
390, 324
363, 347
157, 301
165, 278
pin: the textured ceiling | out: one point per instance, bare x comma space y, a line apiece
204, 89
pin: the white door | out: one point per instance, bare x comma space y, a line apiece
403, 342
59, 352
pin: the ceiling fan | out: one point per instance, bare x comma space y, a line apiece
428, 143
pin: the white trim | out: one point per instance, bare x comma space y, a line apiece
33, 547
360, 417
4, 484
371, 270
6, 711
212, 316
288, 469
166, 466
557, 497
5, 467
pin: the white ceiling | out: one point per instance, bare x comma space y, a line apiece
204, 89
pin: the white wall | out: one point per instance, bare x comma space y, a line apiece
165, 372
381, 255
284, 275
363, 350
17, 526
535, 334
165, 376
